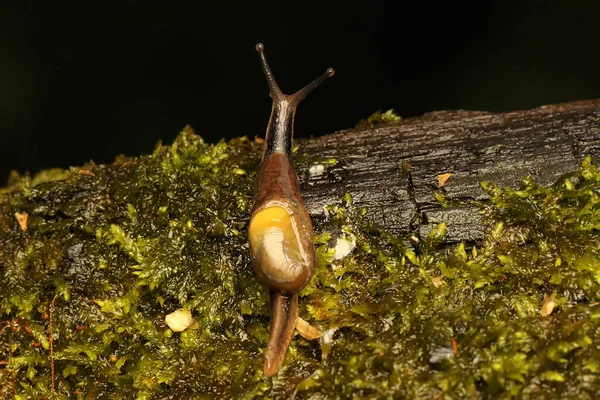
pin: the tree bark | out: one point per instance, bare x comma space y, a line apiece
503, 148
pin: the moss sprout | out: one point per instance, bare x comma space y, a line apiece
379, 118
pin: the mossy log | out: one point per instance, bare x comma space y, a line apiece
480, 284
394, 169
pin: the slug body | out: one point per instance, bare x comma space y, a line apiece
280, 232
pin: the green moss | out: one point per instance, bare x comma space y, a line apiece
378, 118
118, 247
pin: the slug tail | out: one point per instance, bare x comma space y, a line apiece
284, 313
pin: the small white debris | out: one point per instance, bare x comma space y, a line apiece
344, 246
179, 320
327, 342
440, 354
387, 323
316, 170
243, 335
327, 337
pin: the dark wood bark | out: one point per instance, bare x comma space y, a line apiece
503, 148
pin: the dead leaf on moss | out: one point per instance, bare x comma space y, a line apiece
549, 304
437, 281
22, 220
306, 330
86, 172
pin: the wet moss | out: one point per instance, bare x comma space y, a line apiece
110, 250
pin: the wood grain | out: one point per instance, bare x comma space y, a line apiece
503, 148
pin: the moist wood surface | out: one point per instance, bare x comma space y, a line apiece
503, 148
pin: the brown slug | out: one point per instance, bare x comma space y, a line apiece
280, 232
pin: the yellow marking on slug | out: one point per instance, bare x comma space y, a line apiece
274, 239
270, 217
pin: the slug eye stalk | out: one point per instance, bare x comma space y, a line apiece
280, 130
280, 232
276, 92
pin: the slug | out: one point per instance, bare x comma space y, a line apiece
280, 232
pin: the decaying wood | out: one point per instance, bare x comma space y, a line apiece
545, 143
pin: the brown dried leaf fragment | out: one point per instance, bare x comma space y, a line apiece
437, 281
86, 172
306, 330
443, 178
22, 220
549, 304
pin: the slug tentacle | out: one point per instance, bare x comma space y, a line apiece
280, 130
280, 234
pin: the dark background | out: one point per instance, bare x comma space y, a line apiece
81, 81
